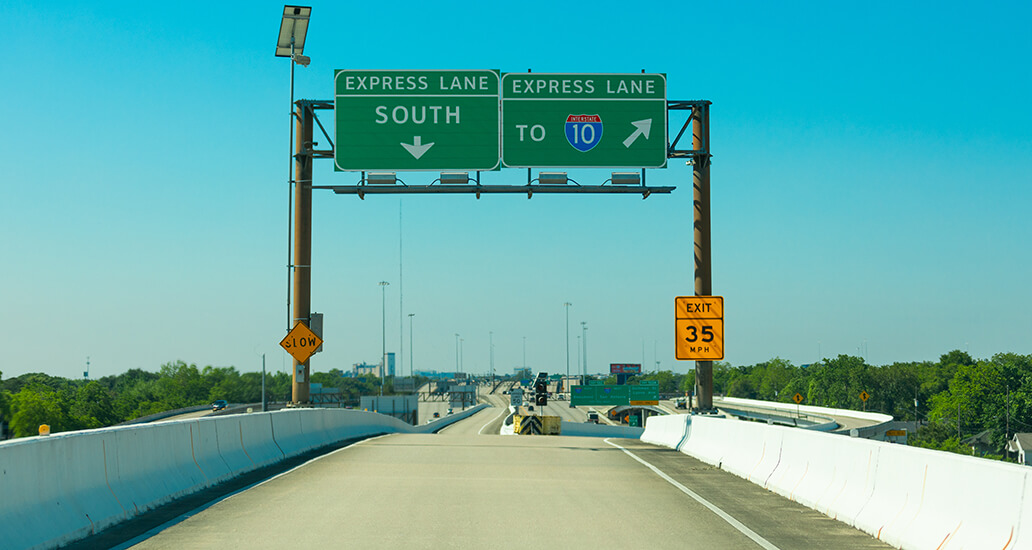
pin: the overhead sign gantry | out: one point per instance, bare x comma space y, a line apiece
458, 122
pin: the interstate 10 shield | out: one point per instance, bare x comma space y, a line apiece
583, 132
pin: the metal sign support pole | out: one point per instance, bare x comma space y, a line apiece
303, 241
703, 267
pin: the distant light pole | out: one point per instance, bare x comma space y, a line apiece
411, 365
567, 306
457, 352
579, 363
462, 354
524, 353
584, 341
490, 346
383, 355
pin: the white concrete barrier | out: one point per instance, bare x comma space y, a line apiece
667, 431
908, 497
47, 472
60, 488
204, 444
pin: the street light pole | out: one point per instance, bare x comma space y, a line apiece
411, 367
524, 353
383, 354
584, 341
567, 306
456, 352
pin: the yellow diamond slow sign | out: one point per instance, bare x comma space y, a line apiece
301, 342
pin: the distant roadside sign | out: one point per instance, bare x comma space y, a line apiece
864, 396
625, 368
699, 328
798, 398
301, 342
416, 120
557, 120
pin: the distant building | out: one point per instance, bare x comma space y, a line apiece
365, 369
377, 370
1021, 443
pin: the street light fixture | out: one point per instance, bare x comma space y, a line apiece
383, 355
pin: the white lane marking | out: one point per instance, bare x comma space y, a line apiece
503, 411
764, 543
179, 519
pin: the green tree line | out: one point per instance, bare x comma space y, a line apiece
955, 398
33, 399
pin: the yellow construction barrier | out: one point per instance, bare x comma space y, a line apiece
536, 425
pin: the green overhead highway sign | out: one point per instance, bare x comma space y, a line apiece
416, 120
613, 396
642, 394
582, 120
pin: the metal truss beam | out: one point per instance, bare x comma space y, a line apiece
362, 190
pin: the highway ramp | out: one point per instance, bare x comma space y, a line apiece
466, 489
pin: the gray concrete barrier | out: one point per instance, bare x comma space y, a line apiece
909, 497
60, 488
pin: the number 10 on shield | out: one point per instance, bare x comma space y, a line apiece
583, 132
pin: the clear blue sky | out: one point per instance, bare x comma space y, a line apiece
872, 184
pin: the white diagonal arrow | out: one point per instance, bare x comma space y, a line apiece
416, 148
640, 127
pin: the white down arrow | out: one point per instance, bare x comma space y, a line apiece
417, 148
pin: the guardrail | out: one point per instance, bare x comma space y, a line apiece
59, 488
906, 496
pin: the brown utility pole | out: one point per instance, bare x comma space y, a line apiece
302, 241
703, 267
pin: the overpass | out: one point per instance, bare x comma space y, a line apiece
692, 481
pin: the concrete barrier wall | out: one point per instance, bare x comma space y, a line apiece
908, 497
60, 488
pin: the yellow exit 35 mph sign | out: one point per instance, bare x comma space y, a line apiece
699, 328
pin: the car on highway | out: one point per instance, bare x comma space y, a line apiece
593, 417
437, 414
218, 405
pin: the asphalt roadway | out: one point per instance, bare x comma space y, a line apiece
467, 487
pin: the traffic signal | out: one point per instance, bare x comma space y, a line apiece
540, 386
542, 399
